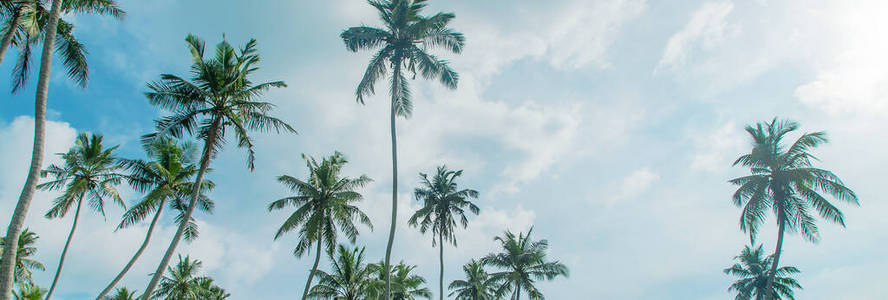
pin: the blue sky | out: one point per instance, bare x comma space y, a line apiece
610, 126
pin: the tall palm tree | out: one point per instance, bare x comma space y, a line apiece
219, 97
122, 294
24, 264
523, 262
443, 203
324, 207
348, 277
167, 178
785, 181
28, 291
755, 279
476, 286
90, 171
27, 21
404, 284
208, 290
404, 43
182, 283
7, 264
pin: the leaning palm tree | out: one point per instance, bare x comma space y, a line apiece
219, 97
26, 23
404, 285
756, 281
523, 262
476, 286
28, 291
348, 277
165, 179
324, 207
404, 43
443, 203
122, 294
182, 283
24, 264
785, 181
90, 171
7, 263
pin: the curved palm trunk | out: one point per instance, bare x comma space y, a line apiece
204, 164
396, 82
7, 38
781, 219
58, 272
137, 255
313, 269
441, 260
7, 263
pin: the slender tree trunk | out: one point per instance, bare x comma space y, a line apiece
7, 38
204, 164
780, 229
441, 260
137, 255
313, 268
396, 95
517, 291
7, 263
58, 272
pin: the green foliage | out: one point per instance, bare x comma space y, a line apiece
405, 284
122, 294
184, 282
523, 262
477, 284
785, 181
24, 263
348, 279
324, 204
443, 204
28, 291
753, 272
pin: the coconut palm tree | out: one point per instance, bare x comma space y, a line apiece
90, 171
183, 281
122, 294
443, 203
219, 97
24, 264
523, 262
404, 284
208, 290
785, 181
26, 22
755, 279
7, 264
324, 207
28, 291
348, 277
476, 286
167, 178
403, 45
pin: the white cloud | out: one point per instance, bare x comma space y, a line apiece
706, 29
584, 30
714, 149
634, 185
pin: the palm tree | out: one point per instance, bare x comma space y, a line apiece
24, 264
218, 98
755, 279
404, 284
785, 180
166, 178
28, 291
208, 290
27, 21
476, 286
325, 206
404, 43
442, 201
348, 277
7, 264
122, 294
90, 171
523, 262
183, 282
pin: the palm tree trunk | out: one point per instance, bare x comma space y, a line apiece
204, 164
517, 291
781, 220
313, 268
396, 82
12, 26
58, 272
7, 263
137, 255
441, 260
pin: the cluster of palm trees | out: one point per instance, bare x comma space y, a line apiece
785, 181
